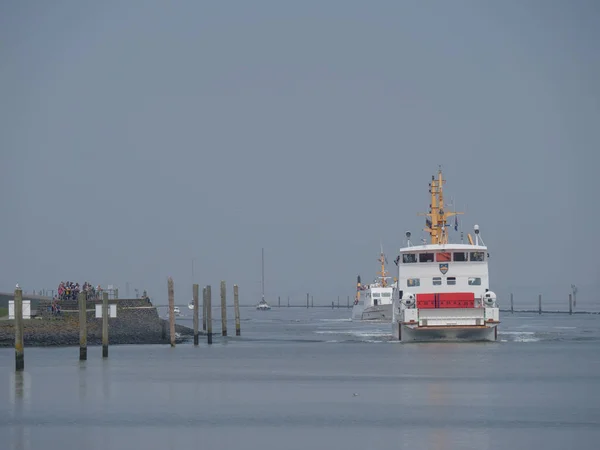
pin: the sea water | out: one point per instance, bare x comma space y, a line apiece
302, 378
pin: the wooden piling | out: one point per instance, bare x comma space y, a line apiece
223, 309
82, 326
19, 353
236, 307
540, 304
209, 336
195, 289
279, 301
307, 301
332, 305
171, 312
570, 304
512, 309
105, 324
204, 308
348, 302
288, 301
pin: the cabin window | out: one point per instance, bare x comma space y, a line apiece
425, 257
411, 282
474, 281
376, 294
386, 294
442, 256
476, 256
409, 258
461, 256
437, 281
451, 280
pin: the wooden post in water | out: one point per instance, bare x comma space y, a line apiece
570, 304
204, 308
348, 301
331, 304
209, 337
105, 324
288, 301
236, 308
307, 301
279, 301
171, 312
223, 309
195, 289
512, 310
19, 354
82, 326
540, 304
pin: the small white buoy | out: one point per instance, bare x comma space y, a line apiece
355, 395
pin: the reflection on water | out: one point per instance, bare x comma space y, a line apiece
82, 381
106, 379
20, 399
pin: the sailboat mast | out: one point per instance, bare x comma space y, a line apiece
263, 274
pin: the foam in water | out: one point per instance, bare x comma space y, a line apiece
520, 336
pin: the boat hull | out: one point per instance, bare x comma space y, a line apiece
413, 333
379, 312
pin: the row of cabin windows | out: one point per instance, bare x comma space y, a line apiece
443, 257
378, 294
437, 281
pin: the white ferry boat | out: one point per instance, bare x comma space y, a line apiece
443, 288
378, 296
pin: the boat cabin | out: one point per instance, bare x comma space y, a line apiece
375, 296
443, 268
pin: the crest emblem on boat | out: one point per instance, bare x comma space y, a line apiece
444, 268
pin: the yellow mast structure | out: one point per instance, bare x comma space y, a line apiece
383, 272
437, 222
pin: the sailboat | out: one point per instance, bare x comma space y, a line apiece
263, 305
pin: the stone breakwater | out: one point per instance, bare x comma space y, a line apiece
137, 322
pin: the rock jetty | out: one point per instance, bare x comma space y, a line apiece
137, 322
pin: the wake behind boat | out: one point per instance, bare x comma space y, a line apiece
377, 301
443, 289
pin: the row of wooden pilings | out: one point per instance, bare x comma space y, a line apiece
206, 311
206, 319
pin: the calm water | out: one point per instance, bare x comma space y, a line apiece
301, 379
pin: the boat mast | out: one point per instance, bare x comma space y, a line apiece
263, 275
383, 272
437, 222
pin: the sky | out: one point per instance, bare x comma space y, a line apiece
140, 139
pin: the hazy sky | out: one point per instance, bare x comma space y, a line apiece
138, 135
